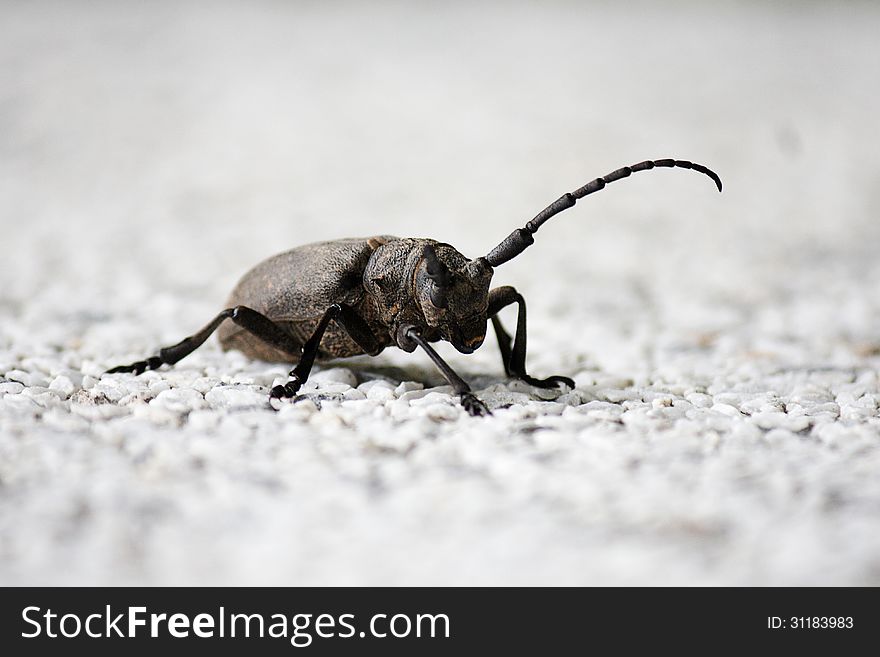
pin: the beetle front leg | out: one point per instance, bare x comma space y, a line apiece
469, 401
515, 358
351, 323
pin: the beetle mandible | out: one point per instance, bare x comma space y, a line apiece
348, 297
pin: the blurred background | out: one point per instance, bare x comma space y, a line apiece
167, 147
150, 153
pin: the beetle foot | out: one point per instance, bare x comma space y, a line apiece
286, 391
549, 382
137, 368
473, 405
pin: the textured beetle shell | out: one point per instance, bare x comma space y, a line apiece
296, 287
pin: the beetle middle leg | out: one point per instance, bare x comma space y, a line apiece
247, 318
346, 318
515, 358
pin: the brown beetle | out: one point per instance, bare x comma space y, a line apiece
357, 296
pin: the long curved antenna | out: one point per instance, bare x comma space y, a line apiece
521, 238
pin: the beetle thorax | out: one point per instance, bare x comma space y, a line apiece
432, 286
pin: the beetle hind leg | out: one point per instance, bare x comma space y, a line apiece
249, 319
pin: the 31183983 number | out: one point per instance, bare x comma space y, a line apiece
810, 623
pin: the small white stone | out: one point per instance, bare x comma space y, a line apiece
205, 383
99, 411
726, 409
443, 412
606, 381
411, 395
298, 411
158, 387
38, 381
361, 406
734, 399
619, 395
605, 411
335, 375
235, 397
19, 376
856, 413
353, 394
426, 397
11, 388
75, 377
110, 390
179, 400
383, 392
19, 404
576, 398
793, 423
331, 388
408, 386
42, 395
700, 400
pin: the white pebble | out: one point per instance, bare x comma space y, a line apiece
20, 376
158, 387
412, 394
75, 376
179, 400
99, 411
62, 385
380, 392
438, 411
235, 397
353, 394
619, 395
408, 386
700, 400
204, 383
11, 388
335, 375
726, 409
793, 423
426, 398
38, 381
110, 390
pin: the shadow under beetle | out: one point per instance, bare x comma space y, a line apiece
357, 296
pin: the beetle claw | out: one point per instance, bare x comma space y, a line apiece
473, 405
286, 391
549, 382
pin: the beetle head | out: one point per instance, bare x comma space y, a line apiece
453, 294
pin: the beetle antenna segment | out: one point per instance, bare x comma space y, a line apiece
521, 238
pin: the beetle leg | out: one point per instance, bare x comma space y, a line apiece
468, 400
250, 320
351, 323
515, 358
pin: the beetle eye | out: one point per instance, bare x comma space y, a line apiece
439, 277
439, 296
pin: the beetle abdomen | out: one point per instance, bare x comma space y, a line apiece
295, 289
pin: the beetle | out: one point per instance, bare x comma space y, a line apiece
347, 297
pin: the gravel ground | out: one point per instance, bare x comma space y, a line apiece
725, 425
